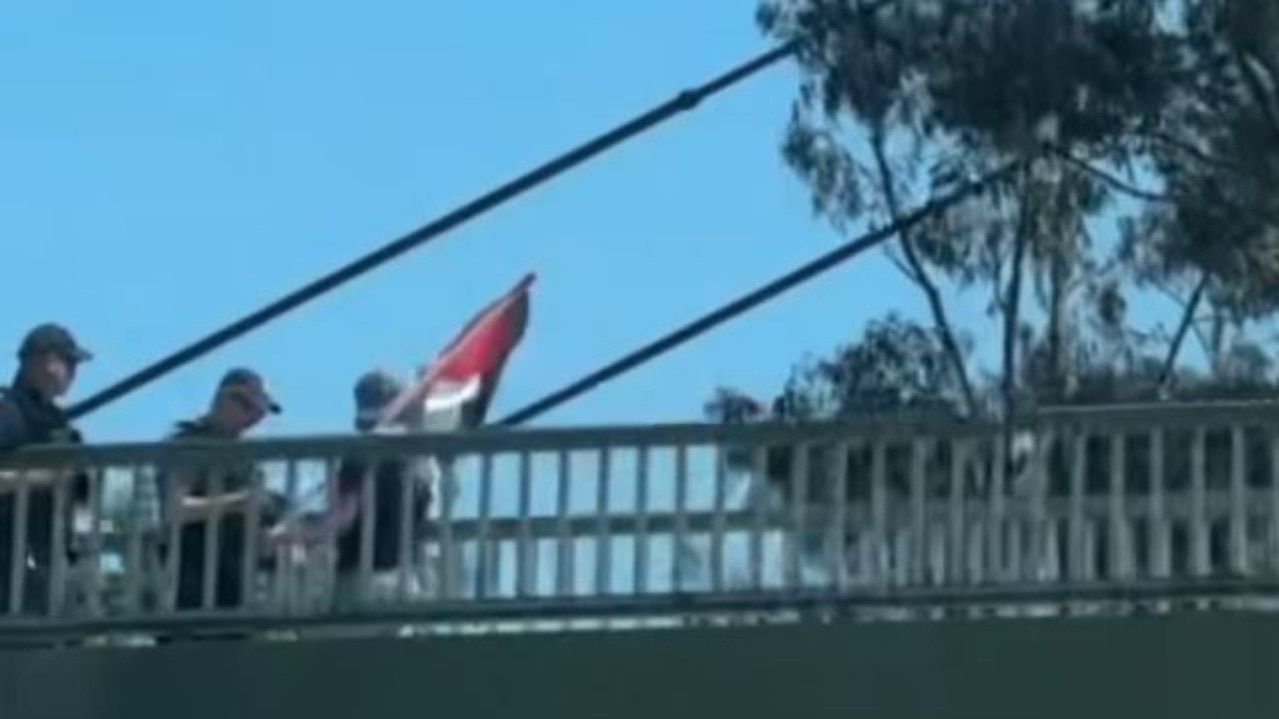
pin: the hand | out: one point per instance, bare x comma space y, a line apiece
274, 507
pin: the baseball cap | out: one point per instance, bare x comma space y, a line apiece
249, 383
374, 391
56, 339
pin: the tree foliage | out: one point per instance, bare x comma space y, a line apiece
1148, 132
1146, 137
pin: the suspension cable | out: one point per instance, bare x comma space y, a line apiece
682, 102
752, 299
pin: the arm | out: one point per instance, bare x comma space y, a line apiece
194, 506
336, 519
344, 510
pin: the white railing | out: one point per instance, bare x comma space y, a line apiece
654, 520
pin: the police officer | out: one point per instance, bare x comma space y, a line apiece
374, 393
240, 403
30, 415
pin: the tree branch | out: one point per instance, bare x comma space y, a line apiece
1200, 337
1108, 178
1187, 148
1168, 292
1216, 339
936, 305
1256, 88
1012, 301
901, 266
1179, 337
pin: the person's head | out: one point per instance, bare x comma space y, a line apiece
241, 402
48, 360
374, 392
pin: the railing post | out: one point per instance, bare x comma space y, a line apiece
1119, 542
1080, 561
957, 536
877, 549
59, 571
564, 555
799, 509
18, 548
997, 527
1239, 559
525, 549
641, 521
921, 450
839, 529
758, 507
1160, 524
1199, 530
603, 533
1273, 430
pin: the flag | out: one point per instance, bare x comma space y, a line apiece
451, 393
455, 390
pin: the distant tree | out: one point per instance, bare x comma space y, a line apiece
903, 99
1147, 137
1214, 242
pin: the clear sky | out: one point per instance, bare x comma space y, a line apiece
166, 167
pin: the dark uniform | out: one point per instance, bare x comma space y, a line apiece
232, 529
27, 418
373, 393
389, 477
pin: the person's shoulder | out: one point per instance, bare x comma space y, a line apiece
10, 409
14, 430
188, 429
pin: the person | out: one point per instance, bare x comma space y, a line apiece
239, 404
48, 360
374, 392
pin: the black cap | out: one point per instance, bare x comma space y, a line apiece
374, 392
248, 382
52, 338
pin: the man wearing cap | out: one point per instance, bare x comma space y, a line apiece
30, 415
47, 364
240, 403
374, 392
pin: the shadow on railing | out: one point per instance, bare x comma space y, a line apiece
639, 521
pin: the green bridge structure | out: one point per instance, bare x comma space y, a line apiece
1088, 562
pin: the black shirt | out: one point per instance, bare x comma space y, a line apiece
28, 419
389, 476
232, 525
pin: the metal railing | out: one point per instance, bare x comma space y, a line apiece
1151, 501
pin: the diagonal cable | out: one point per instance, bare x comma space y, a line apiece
751, 300
682, 102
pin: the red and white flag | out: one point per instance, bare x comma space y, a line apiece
451, 393
455, 390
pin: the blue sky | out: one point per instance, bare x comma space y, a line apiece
170, 166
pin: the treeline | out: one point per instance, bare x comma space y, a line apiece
1149, 135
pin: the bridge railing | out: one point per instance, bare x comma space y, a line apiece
641, 519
